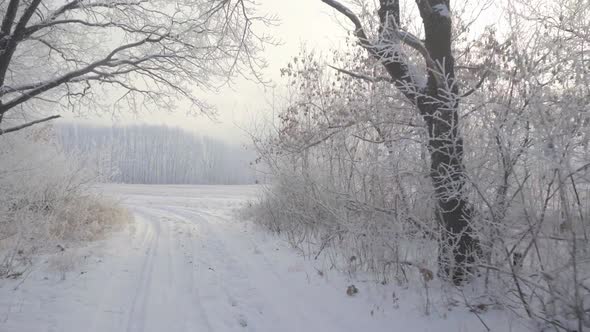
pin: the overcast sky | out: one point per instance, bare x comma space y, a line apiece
301, 22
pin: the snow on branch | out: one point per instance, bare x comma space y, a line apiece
386, 49
442, 10
359, 30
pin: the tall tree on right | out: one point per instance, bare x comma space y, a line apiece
436, 97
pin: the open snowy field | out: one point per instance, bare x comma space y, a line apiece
188, 263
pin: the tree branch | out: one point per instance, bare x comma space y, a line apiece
178, 47
359, 31
8, 44
28, 124
9, 17
74, 74
395, 66
477, 86
367, 78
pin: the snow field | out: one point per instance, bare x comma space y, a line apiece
187, 263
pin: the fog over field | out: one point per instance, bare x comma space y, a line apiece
147, 154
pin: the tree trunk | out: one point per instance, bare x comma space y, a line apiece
438, 104
457, 246
440, 110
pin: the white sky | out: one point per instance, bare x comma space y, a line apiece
301, 22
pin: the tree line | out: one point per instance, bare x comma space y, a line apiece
153, 154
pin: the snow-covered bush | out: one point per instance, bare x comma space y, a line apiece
47, 200
350, 165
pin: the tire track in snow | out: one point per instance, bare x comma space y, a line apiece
173, 297
216, 299
142, 292
261, 291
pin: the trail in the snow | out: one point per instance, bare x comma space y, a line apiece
187, 264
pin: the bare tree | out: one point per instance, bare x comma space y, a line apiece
437, 101
57, 54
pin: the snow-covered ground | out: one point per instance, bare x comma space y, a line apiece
187, 263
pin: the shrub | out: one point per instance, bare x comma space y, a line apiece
48, 201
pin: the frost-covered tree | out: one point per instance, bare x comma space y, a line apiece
435, 94
351, 161
75, 54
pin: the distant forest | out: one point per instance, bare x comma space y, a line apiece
149, 154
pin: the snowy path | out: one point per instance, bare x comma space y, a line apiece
186, 264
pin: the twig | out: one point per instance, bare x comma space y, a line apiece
367, 78
24, 278
477, 86
473, 309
